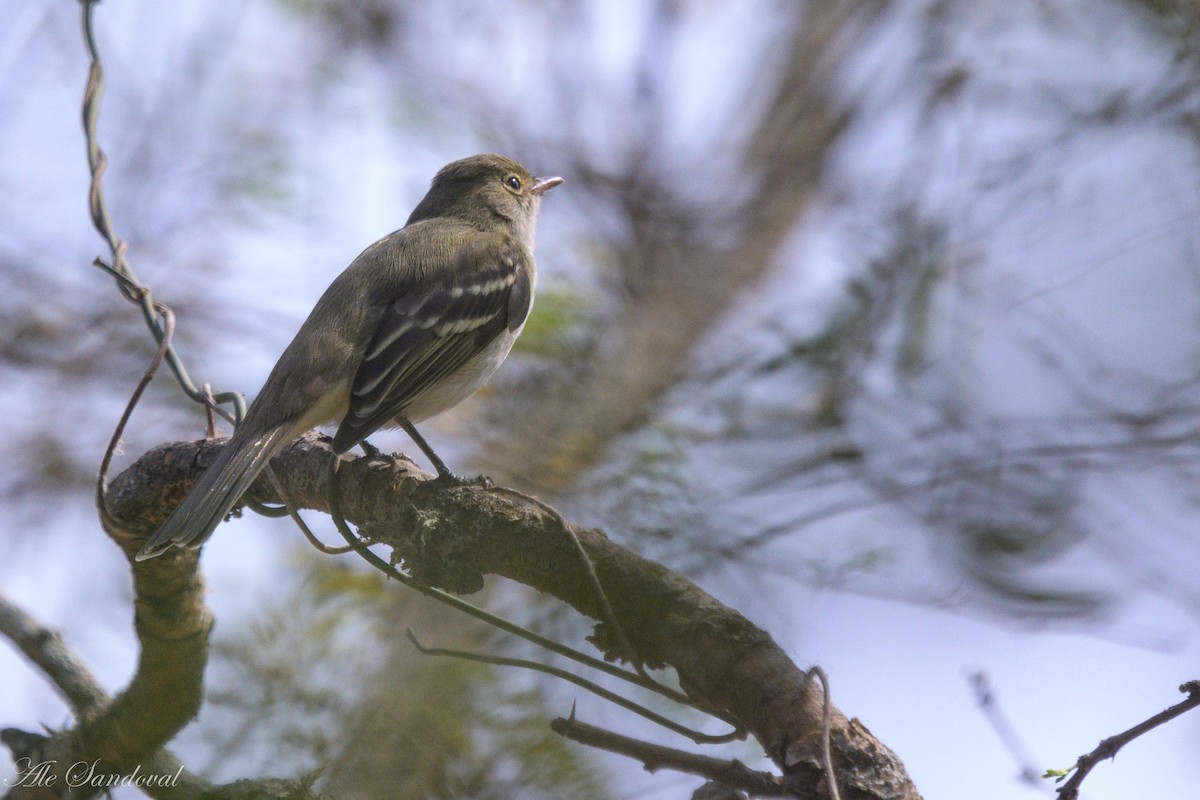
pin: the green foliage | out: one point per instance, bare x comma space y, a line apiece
557, 317
919, 314
265, 172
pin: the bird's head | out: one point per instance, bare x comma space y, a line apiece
487, 191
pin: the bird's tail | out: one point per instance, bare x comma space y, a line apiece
216, 491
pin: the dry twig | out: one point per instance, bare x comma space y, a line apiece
1113, 744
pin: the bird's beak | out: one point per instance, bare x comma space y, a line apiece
542, 185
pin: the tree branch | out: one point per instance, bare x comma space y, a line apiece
1113, 744
125, 736
67, 672
451, 538
731, 773
50, 654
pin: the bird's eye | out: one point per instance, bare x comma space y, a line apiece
513, 182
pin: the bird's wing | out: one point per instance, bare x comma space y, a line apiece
423, 337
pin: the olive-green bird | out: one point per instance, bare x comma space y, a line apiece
412, 327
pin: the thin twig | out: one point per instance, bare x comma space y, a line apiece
339, 520
1113, 744
606, 608
826, 724
731, 773
503, 661
210, 419
127, 282
168, 328
985, 698
294, 513
129, 285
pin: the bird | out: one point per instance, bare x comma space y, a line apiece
416, 323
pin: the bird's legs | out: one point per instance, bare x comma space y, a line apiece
445, 476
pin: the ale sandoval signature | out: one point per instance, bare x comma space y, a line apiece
83, 773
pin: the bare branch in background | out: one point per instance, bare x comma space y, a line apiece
686, 262
1111, 746
50, 654
985, 698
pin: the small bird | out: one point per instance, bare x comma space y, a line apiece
411, 328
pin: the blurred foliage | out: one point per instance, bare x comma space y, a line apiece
556, 327
322, 684
879, 403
